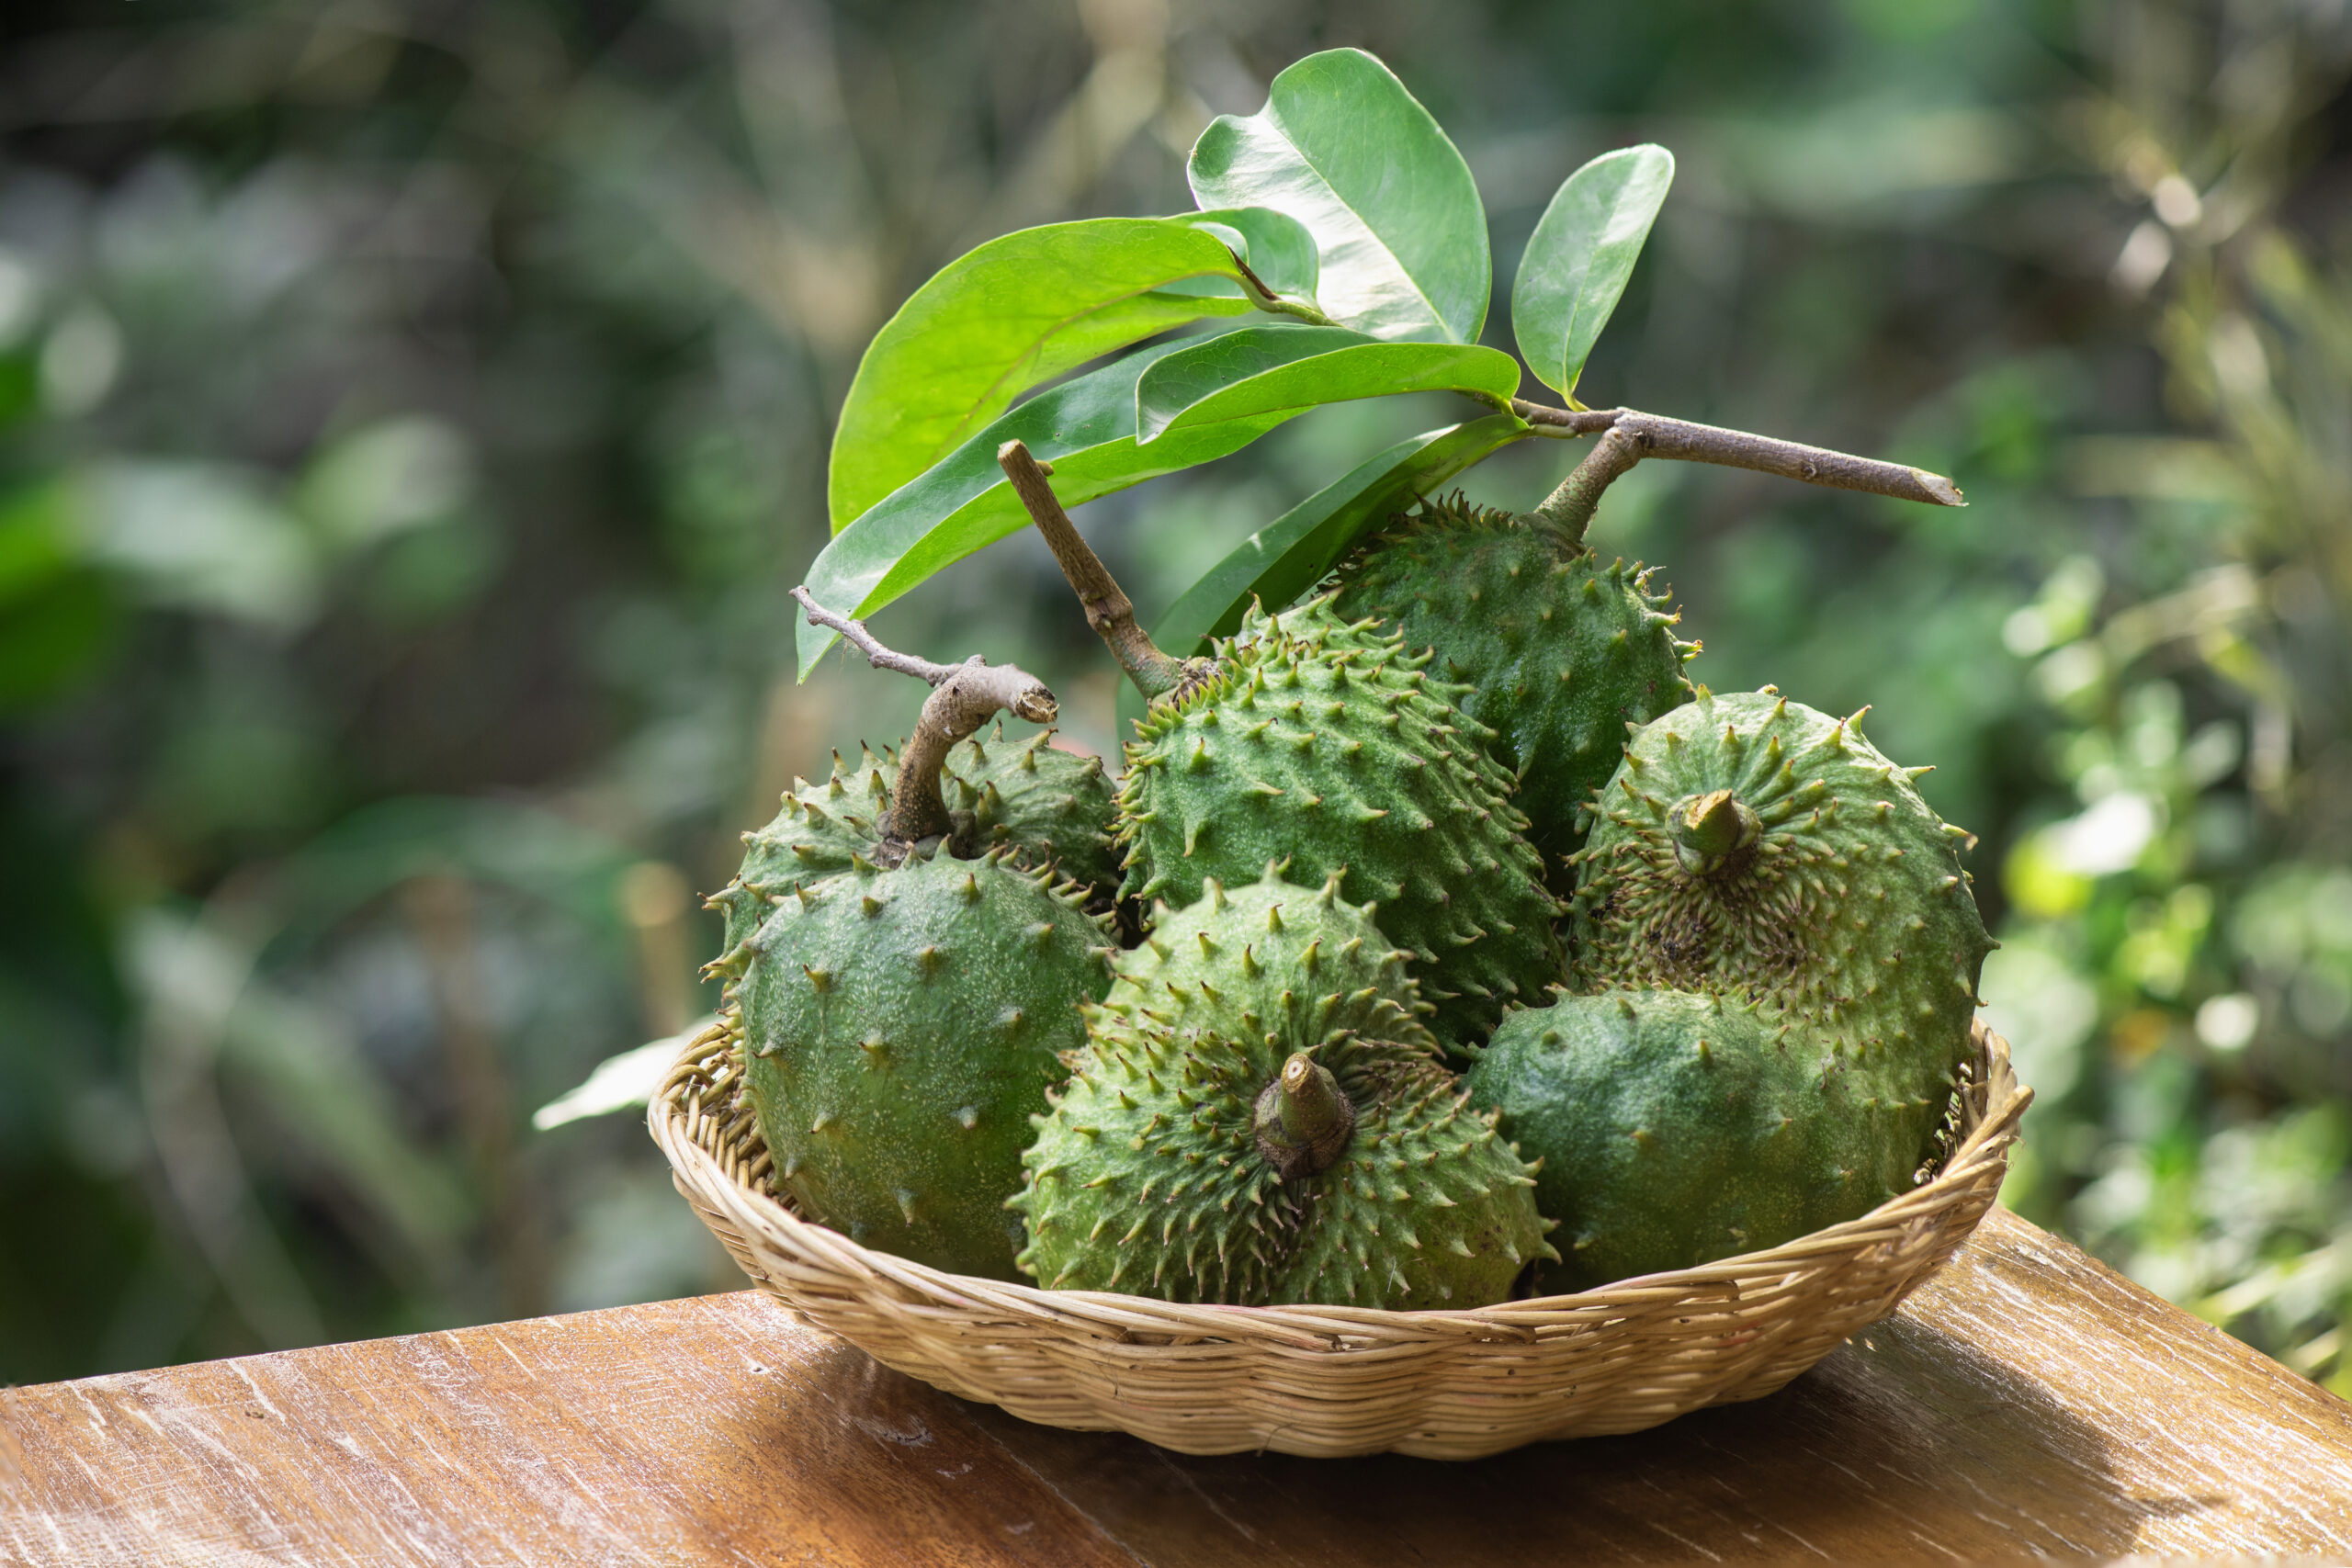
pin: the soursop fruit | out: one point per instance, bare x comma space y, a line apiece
1754, 846
1560, 652
1049, 807
1321, 742
1268, 960
819, 831
900, 1029
1671, 1129
1238, 1131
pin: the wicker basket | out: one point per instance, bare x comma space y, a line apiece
1331, 1381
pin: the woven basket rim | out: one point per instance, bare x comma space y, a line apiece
1991, 1103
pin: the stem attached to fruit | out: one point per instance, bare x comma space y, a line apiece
1713, 834
964, 696
1570, 507
1108, 609
1304, 1121
1652, 436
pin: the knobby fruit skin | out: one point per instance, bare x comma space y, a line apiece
1756, 847
1560, 652
815, 835
1320, 742
1671, 1129
1267, 961
900, 1029
1151, 1176
1049, 807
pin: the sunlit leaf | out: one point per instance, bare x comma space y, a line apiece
1342, 147
1011, 315
1260, 370
1277, 246
1579, 257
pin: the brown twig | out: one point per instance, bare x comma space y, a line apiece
1108, 609
964, 696
1652, 436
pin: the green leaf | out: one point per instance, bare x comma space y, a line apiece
1343, 148
1579, 258
1086, 428
1276, 246
1290, 554
1258, 370
1002, 319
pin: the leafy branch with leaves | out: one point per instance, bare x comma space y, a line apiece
1340, 252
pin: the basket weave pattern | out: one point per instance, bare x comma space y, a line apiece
1325, 1380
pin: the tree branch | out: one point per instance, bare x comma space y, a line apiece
1656, 437
877, 655
964, 696
1108, 609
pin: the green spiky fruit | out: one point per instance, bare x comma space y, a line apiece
1753, 845
899, 1030
815, 835
1671, 1129
1321, 742
1560, 651
1269, 961
1234, 1132
1048, 807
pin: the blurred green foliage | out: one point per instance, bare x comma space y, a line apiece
412, 417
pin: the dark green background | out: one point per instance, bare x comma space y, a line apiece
412, 414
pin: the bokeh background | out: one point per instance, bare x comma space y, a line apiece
412, 413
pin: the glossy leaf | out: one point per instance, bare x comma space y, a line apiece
1260, 370
1579, 257
1343, 148
1086, 429
1287, 557
1002, 319
1277, 246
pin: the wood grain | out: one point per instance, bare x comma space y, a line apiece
692, 1432
2025, 1402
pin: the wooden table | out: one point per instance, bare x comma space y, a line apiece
2026, 1401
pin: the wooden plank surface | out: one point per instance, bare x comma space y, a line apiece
2025, 1402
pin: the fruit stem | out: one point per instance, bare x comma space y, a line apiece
1712, 833
1570, 507
1303, 1119
1680, 438
964, 696
1108, 609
